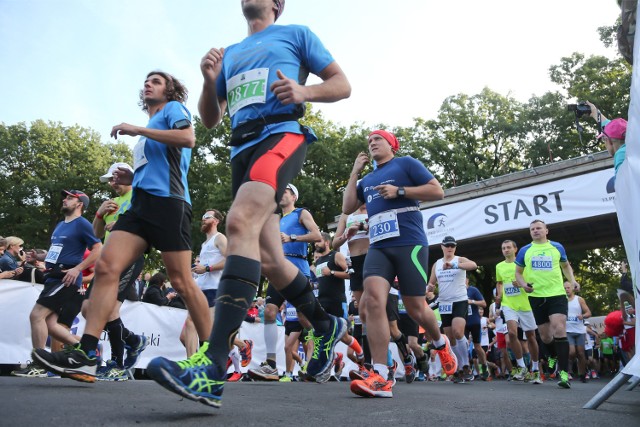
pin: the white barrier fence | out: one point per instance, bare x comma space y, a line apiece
162, 325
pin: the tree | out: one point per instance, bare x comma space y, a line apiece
40, 160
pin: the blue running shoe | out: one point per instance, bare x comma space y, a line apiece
133, 353
195, 378
323, 350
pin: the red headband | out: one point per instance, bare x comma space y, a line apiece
391, 138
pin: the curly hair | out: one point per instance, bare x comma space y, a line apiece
175, 91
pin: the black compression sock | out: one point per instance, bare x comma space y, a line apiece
238, 287
551, 348
89, 344
402, 342
114, 328
300, 294
562, 348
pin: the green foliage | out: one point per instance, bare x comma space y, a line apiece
40, 160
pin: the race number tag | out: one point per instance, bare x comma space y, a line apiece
249, 87
319, 268
469, 311
542, 263
139, 159
573, 319
383, 226
445, 308
53, 254
511, 291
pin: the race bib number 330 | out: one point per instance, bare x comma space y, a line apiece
246, 88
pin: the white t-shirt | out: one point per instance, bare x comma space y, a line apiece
575, 325
210, 255
451, 283
484, 332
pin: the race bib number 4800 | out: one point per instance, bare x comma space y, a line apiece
249, 87
542, 262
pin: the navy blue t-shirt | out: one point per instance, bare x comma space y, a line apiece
69, 241
401, 172
473, 316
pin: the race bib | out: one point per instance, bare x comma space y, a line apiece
469, 312
573, 319
53, 254
445, 308
291, 313
319, 268
249, 87
511, 291
542, 263
383, 226
139, 159
357, 320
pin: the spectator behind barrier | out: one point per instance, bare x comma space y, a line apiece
154, 293
13, 257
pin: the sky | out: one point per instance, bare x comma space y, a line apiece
84, 61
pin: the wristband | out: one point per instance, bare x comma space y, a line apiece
99, 216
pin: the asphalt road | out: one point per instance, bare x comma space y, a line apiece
51, 401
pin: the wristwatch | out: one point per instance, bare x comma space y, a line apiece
293, 237
333, 273
401, 192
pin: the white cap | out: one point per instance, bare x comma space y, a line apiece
293, 189
107, 176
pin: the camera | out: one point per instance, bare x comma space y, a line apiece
580, 109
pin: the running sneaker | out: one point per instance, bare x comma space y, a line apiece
286, 379
420, 377
484, 374
245, 353
196, 378
71, 362
324, 348
467, 374
447, 357
392, 372
537, 378
584, 378
528, 377
52, 375
594, 374
374, 386
30, 371
458, 378
111, 372
338, 364
409, 369
552, 367
564, 379
362, 373
236, 376
133, 353
264, 373
423, 364
517, 373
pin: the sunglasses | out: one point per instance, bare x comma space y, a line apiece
449, 245
207, 216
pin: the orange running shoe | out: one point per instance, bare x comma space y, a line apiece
245, 353
374, 386
338, 364
448, 357
362, 373
236, 376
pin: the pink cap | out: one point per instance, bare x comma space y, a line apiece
391, 138
616, 129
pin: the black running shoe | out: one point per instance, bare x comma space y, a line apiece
71, 362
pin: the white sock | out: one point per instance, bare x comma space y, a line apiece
520, 362
440, 342
271, 338
234, 354
534, 366
382, 369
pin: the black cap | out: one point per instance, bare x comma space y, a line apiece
79, 195
449, 240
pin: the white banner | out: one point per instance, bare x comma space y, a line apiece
567, 199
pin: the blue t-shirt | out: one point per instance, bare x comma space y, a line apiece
69, 241
250, 67
402, 172
619, 156
165, 173
473, 315
290, 224
8, 262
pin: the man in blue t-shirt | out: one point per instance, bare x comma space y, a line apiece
60, 300
159, 217
398, 248
261, 81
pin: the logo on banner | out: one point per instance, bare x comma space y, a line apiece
611, 190
437, 226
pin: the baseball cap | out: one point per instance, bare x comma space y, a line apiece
280, 7
293, 189
449, 240
78, 195
391, 138
616, 129
107, 176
